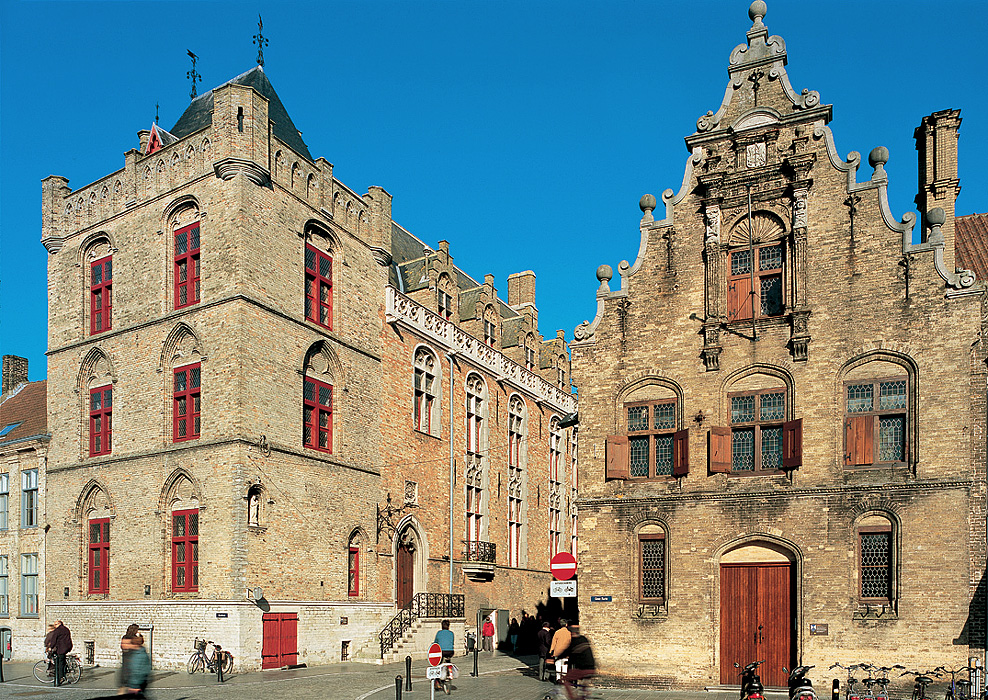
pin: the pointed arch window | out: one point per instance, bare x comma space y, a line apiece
353, 567
445, 297
100, 420
490, 327
317, 415
426, 405
318, 286
530, 353
101, 295
555, 486
187, 403
516, 505
99, 555
187, 272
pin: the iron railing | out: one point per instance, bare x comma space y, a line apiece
479, 551
421, 605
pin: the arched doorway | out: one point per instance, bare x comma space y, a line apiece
757, 609
405, 567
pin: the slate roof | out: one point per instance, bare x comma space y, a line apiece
29, 407
971, 243
199, 113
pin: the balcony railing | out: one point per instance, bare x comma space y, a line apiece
485, 552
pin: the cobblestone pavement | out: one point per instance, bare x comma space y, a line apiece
501, 678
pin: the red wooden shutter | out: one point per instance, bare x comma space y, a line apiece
719, 450
681, 453
289, 639
738, 299
792, 444
616, 458
859, 439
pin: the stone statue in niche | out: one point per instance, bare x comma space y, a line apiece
713, 224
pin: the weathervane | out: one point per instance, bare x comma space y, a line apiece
260, 41
192, 75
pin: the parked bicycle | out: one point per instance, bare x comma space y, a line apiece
923, 679
44, 670
201, 661
850, 691
882, 681
800, 687
751, 684
959, 688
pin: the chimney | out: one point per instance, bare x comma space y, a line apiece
521, 295
14, 372
936, 141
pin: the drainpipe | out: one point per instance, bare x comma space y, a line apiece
452, 470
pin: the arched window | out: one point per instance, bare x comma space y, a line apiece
475, 458
756, 268
96, 385
317, 414
879, 412
353, 566
875, 540
517, 430
574, 493
318, 280
653, 446
651, 564
444, 291
555, 486
426, 392
490, 326
99, 259
186, 236
184, 512
531, 353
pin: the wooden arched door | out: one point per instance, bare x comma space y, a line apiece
405, 573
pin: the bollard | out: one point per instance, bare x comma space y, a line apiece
476, 656
1, 665
835, 693
219, 666
408, 673
397, 687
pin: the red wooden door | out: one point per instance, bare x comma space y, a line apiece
405, 575
756, 620
279, 643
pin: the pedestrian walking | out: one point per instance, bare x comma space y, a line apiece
580, 660
135, 665
560, 643
488, 634
545, 643
513, 630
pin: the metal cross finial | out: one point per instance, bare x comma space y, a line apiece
192, 75
156, 105
260, 41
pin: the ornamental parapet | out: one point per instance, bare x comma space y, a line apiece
403, 310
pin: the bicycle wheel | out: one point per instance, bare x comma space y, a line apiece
73, 671
195, 663
227, 663
41, 672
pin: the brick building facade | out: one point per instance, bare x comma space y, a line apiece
783, 406
251, 371
23, 460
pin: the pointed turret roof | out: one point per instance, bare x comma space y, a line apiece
199, 113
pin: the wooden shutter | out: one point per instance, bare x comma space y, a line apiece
738, 298
859, 440
719, 450
792, 444
616, 456
681, 453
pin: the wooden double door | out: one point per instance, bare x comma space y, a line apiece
756, 620
279, 643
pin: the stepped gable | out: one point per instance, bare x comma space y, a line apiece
971, 240
199, 113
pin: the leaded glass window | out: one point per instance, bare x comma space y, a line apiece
756, 430
651, 425
653, 565
876, 565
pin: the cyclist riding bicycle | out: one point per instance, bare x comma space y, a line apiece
447, 643
581, 662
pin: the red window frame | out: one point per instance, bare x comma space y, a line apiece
185, 550
353, 571
187, 266
318, 287
100, 420
187, 403
100, 295
99, 555
317, 415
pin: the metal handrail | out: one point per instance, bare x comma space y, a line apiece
421, 605
474, 550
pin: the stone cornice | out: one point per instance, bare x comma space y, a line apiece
403, 310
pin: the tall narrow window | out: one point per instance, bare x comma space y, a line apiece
425, 399
445, 291
29, 585
875, 423
187, 403
99, 555
29, 498
317, 415
755, 282
516, 436
574, 539
475, 444
530, 353
100, 420
353, 570
4, 589
490, 326
652, 566
555, 499
757, 420
185, 550
187, 266
100, 295
318, 287
4, 500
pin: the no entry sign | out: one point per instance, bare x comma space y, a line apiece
435, 655
563, 566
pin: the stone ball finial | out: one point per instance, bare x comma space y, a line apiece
878, 156
934, 217
647, 203
604, 273
757, 10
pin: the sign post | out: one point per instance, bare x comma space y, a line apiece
433, 673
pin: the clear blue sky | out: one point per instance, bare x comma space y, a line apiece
523, 132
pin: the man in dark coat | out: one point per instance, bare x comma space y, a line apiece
545, 642
61, 644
